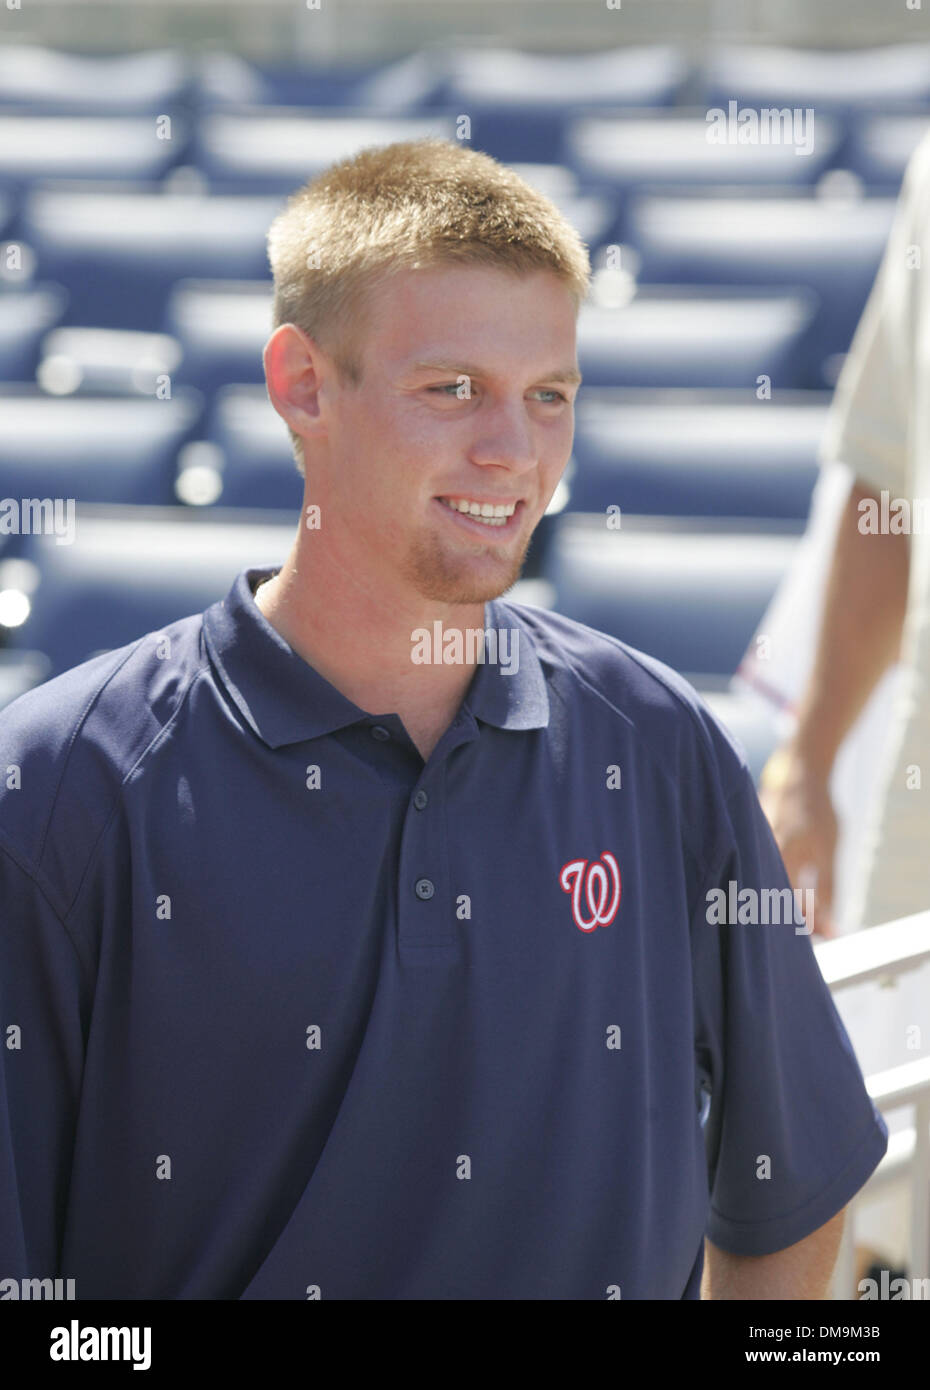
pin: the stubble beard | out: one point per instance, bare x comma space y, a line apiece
445, 578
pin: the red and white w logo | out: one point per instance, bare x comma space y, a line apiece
601, 890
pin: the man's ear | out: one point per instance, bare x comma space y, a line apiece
294, 368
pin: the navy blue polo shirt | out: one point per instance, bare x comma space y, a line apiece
287, 1013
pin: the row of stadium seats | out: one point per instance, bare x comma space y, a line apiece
255, 150
656, 452
154, 82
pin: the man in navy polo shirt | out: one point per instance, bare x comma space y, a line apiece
370, 936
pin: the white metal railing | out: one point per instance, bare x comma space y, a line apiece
882, 955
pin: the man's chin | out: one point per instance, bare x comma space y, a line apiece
468, 585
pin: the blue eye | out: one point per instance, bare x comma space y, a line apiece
455, 386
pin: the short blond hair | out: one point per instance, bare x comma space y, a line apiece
422, 202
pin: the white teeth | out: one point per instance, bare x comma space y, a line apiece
486, 512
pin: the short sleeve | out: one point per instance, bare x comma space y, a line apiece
42, 1005
868, 428
791, 1133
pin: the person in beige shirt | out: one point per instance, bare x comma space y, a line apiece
876, 607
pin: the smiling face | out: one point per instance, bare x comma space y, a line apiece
465, 404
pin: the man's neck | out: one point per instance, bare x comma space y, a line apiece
365, 649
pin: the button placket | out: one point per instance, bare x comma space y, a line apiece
426, 916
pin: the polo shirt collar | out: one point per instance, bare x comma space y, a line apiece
516, 701
285, 700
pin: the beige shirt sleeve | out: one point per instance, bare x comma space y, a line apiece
870, 422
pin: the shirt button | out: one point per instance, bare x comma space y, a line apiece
380, 733
420, 799
424, 889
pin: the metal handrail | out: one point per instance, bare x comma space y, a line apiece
882, 954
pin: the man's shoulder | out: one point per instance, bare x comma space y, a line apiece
67, 746
665, 711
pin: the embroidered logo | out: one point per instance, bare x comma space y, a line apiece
601, 885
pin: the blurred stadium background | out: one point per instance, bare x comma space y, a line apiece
144, 149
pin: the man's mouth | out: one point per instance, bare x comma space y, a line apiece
486, 513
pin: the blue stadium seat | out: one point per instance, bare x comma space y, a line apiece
410, 83
47, 81
838, 80
276, 152
120, 252
710, 454
519, 102
93, 449
131, 571
879, 146
84, 147
222, 327
623, 151
254, 461
690, 596
648, 75
25, 315
226, 80
833, 247
668, 336
106, 361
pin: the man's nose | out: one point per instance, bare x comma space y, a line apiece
505, 439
